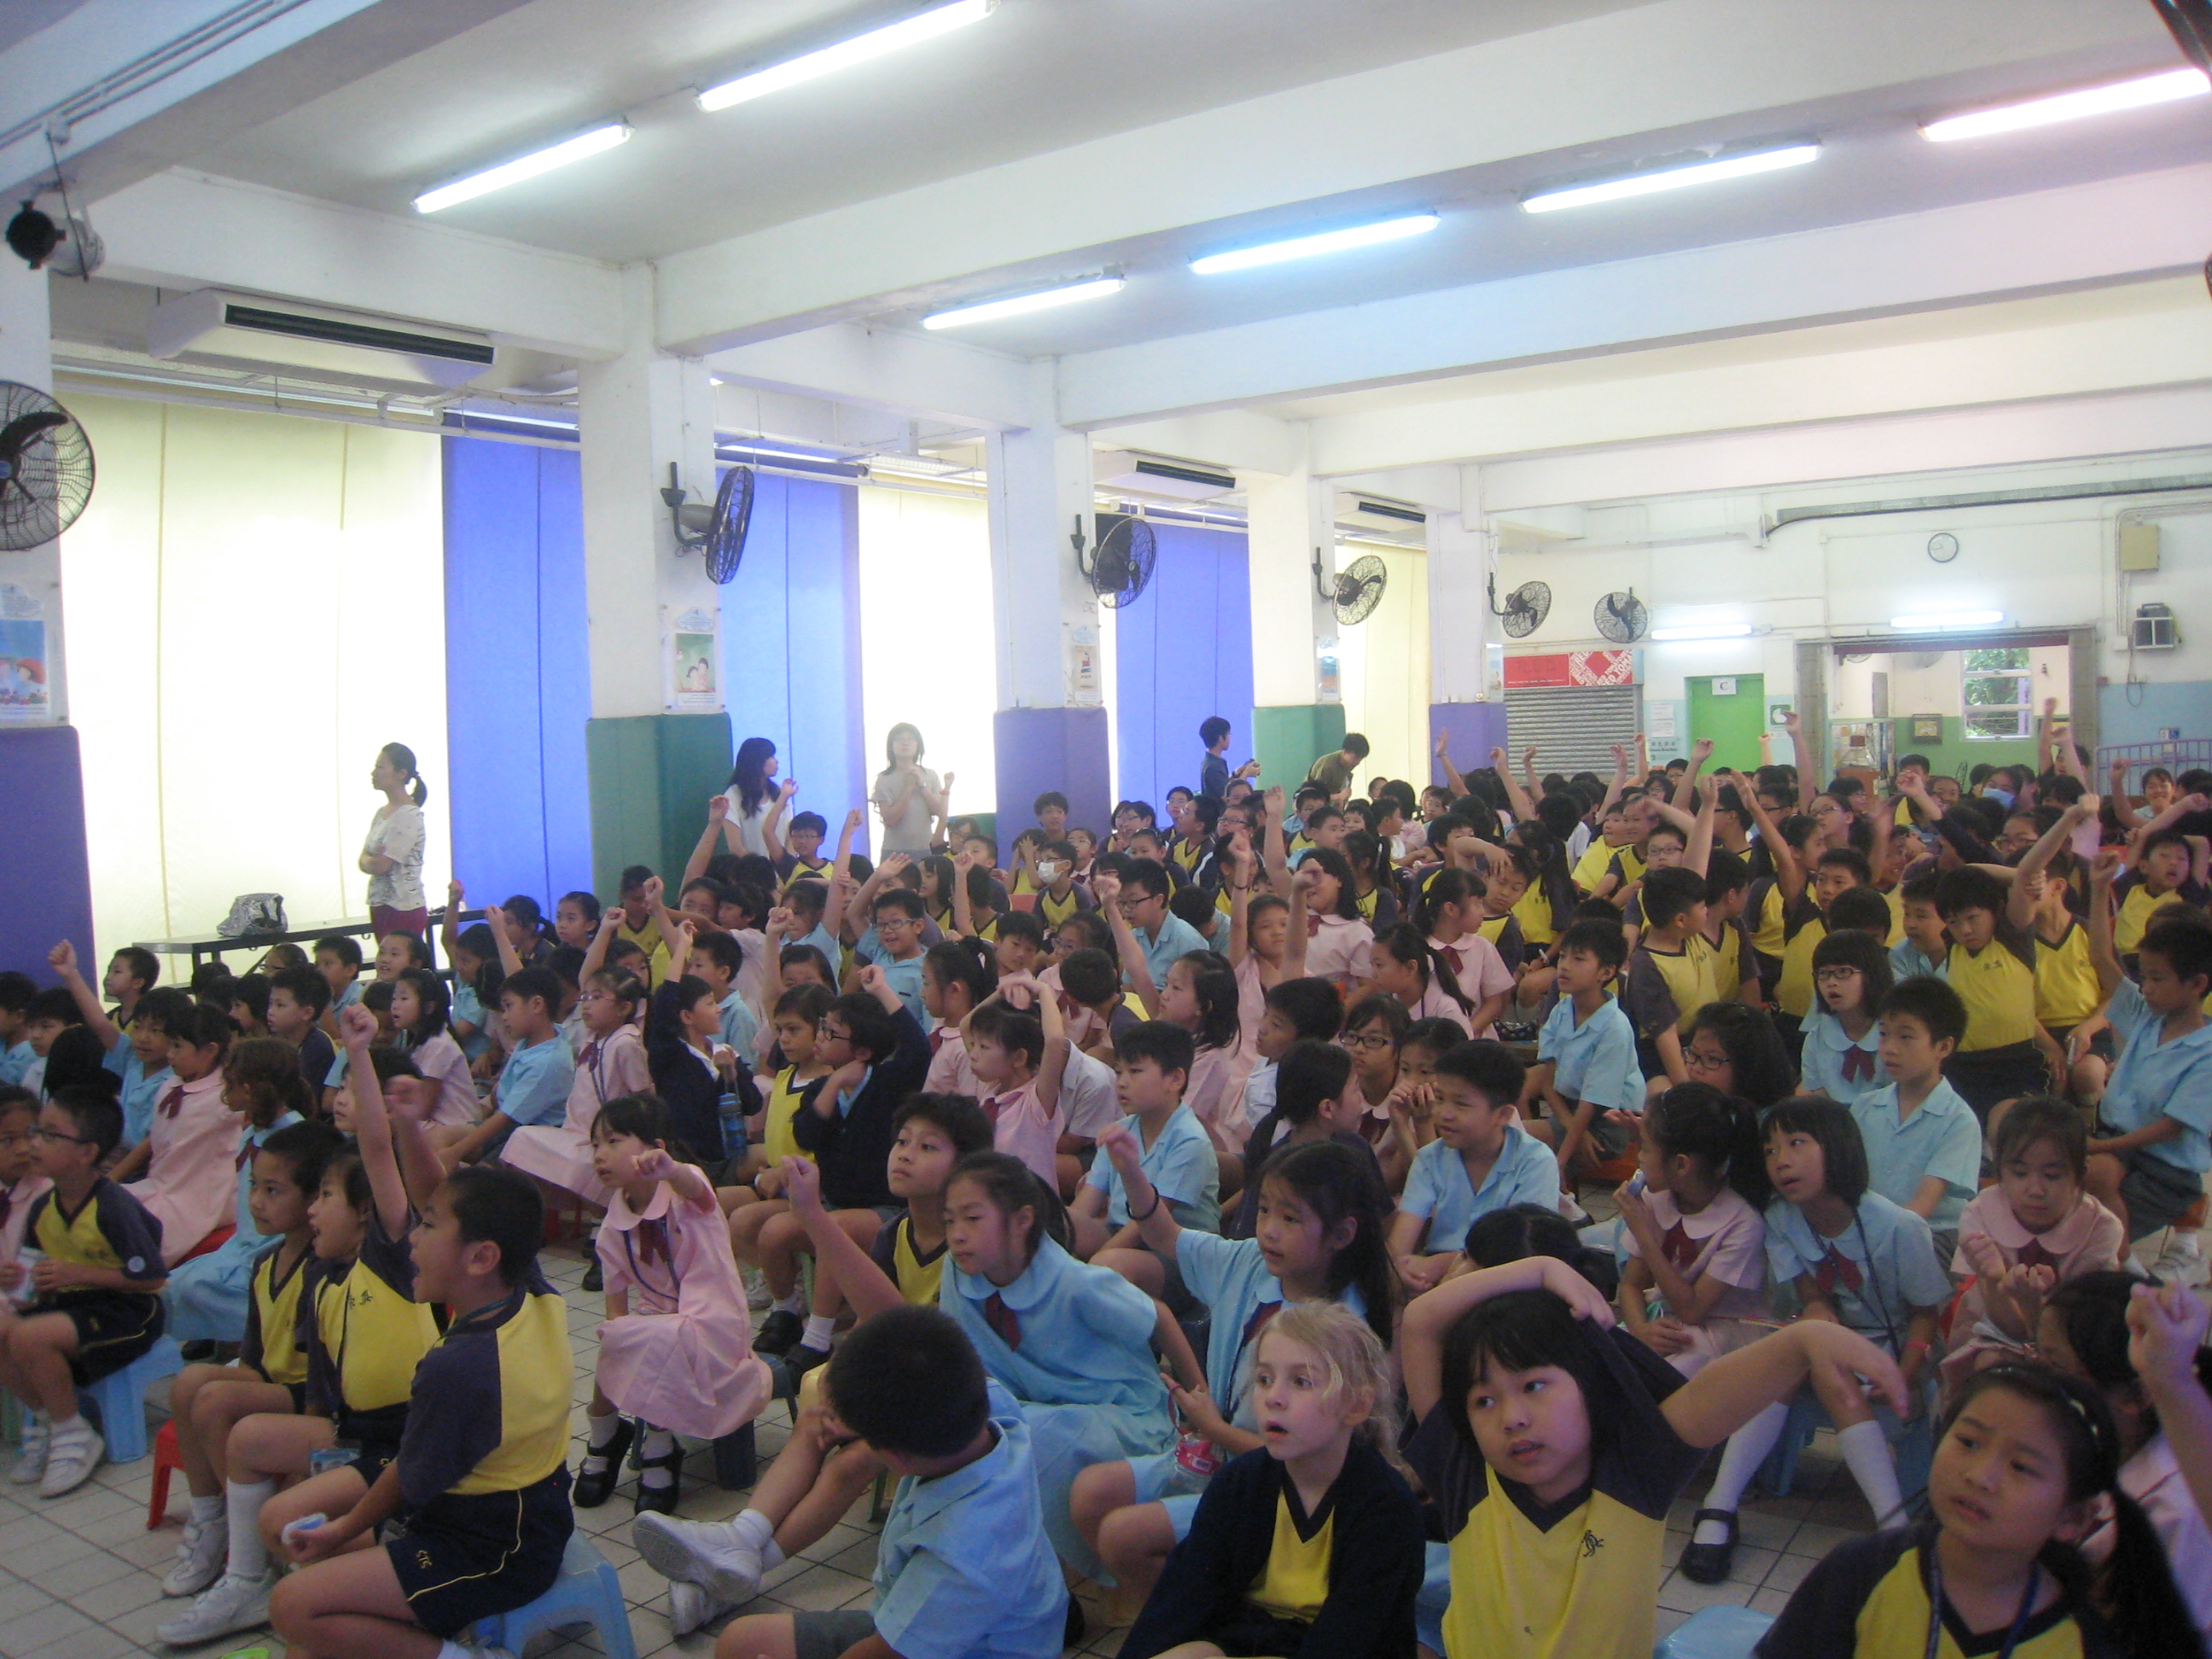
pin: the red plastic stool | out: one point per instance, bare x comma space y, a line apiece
214, 1241
165, 1460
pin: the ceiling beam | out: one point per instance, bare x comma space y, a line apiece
1701, 62
903, 374
186, 230
2113, 231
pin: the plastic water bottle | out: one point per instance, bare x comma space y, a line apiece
733, 1128
305, 1523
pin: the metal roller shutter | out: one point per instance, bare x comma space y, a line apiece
1573, 728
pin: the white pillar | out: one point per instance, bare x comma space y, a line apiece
1462, 704
27, 355
1298, 712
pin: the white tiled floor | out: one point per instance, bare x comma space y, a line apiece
80, 1578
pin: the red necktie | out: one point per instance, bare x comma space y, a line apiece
652, 1240
1260, 1316
591, 1054
2031, 1254
937, 1039
173, 1101
1005, 1324
991, 1111
1858, 1065
6, 1206
1313, 923
1677, 1247
1451, 954
1833, 1266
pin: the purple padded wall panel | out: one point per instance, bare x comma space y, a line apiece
1475, 729
1041, 749
46, 894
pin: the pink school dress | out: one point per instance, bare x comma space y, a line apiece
1022, 1128
950, 1073
1216, 1096
1727, 1239
2089, 1239
561, 1154
682, 1358
1337, 949
191, 1181
440, 1060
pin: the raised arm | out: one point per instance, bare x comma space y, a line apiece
602, 939
1685, 792
1528, 772
63, 959
2166, 1331
372, 1127
2123, 810
2102, 957
2046, 731
1789, 873
1643, 757
1699, 852
775, 809
1619, 782
2020, 902
1106, 888
449, 925
1451, 773
1155, 1220
1801, 751
702, 854
1430, 1317
1275, 854
1241, 862
964, 914
510, 960
1515, 796
866, 1286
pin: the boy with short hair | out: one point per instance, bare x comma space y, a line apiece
337, 959
1306, 799
897, 915
1051, 811
639, 923
132, 972
16, 991
1293, 1011
1141, 896
1482, 1159
1924, 1142
1152, 1062
96, 1303
299, 997
1585, 1058
138, 1047
2149, 1151
802, 842
1922, 953
1213, 772
1672, 972
45, 1017
481, 1480
1058, 895
1089, 980
1334, 770
2165, 868
533, 1085
718, 958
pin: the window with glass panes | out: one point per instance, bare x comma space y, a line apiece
1999, 701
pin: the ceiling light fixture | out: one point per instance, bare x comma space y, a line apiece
2160, 88
1661, 179
1707, 631
523, 166
1944, 621
923, 26
1306, 247
1016, 305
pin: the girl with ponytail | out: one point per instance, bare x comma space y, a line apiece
1406, 966
391, 856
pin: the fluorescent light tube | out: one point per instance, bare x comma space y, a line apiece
1096, 288
1709, 631
1938, 621
523, 166
1659, 179
1304, 248
2161, 89
862, 47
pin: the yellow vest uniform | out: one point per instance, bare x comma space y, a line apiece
1999, 987
272, 1328
2067, 990
784, 1097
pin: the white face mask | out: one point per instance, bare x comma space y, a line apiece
1050, 870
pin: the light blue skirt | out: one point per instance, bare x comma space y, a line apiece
1065, 1440
209, 1295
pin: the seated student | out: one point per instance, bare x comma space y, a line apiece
337, 959
21, 1178
16, 990
896, 917
422, 1024
138, 1047
1153, 1061
1058, 894
2160, 873
533, 1085
1292, 1011
2149, 1151
45, 1017
1315, 1100
1863, 910
1585, 1058
802, 849
1671, 972
613, 1065
1553, 1445
1019, 1056
185, 1170
1091, 979
299, 997
1842, 1036
480, 1478
1372, 1028
635, 919
1482, 1159
1406, 967
94, 1303
1924, 1147
1020, 944
1308, 1544
719, 959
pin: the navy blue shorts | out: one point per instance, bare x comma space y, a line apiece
467, 1557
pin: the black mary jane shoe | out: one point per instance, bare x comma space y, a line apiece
661, 1499
592, 1485
1709, 1564
593, 1281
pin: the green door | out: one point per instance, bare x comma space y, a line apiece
1731, 710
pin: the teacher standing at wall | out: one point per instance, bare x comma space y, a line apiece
392, 857
909, 798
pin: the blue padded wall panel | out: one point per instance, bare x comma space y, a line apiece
1183, 651
518, 674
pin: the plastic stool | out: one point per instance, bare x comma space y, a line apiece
587, 1592
166, 1461
1912, 1444
215, 1241
736, 1465
120, 1399
1721, 1632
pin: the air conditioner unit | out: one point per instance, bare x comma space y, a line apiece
1374, 508
244, 330
2154, 629
1159, 475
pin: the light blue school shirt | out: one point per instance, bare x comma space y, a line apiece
1908, 961
15, 1062
963, 1569
905, 980
469, 1010
1826, 1044
1943, 1137
1887, 1247
1596, 1060
141, 1090
1181, 1167
1176, 939
2152, 1078
823, 940
740, 1026
1234, 1281
248, 1145
1436, 1186
533, 1085
347, 998
1083, 1337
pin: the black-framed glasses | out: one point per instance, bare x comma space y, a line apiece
44, 1134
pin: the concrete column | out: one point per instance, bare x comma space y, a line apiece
656, 752
1298, 711
1050, 731
1460, 630
47, 893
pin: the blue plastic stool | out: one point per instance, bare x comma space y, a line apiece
120, 1399
587, 1593
1714, 1633
1912, 1444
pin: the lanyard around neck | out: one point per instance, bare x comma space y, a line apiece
1935, 1605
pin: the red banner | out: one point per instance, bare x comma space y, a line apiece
1572, 668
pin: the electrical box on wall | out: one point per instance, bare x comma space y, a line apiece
2154, 629
2139, 547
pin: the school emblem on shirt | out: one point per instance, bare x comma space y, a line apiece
1591, 1545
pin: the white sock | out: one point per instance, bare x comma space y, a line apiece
657, 1443
794, 1304
207, 1509
602, 1431
455, 1651
1746, 1450
249, 1557
820, 1329
755, 1529
72, 1427
1867, 1456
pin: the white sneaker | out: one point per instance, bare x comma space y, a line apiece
702, 1553
199, 1557
2182, 1260
1571, 1208
70, 1463
31, 1456
229, 1604
758, 1294
690, 1607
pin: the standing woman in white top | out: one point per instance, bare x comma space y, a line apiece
754, 801
908, 797
392, 857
